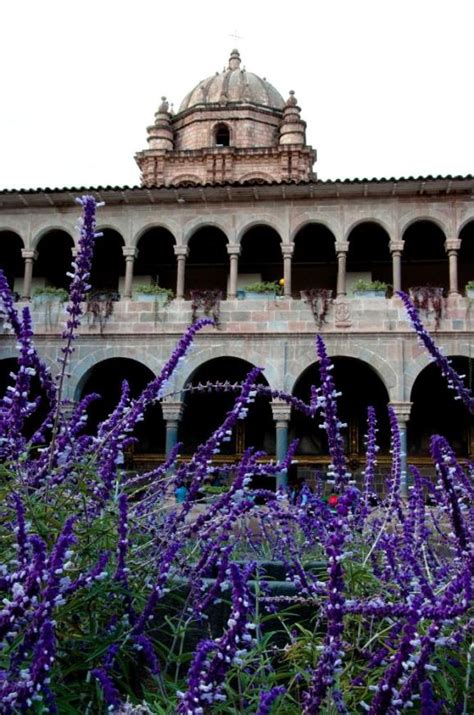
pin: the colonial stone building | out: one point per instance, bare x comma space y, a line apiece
228, 198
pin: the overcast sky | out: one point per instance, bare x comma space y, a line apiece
386, 87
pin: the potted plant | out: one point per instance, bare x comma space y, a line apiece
469, 288
50, 294
370, 289
259, 290
155, 293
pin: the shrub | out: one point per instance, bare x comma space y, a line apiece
261, 287
365, 285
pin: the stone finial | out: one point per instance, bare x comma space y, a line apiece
234, 60
164, 106
291, 101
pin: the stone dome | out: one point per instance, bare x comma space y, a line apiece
234, 85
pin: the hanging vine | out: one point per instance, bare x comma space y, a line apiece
319, 300
206, 303
101, 306
429, 299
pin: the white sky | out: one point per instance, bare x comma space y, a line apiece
386, 86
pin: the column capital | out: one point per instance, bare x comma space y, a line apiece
180, 251
452, 244
172, 410
287, 250
342, 246
402, 410
29, 253
396, 246
233, 249
281, 411
129, 251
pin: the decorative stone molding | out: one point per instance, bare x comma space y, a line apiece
281, 411
172, 410
402, 411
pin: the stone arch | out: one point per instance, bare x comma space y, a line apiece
203, 355
382, 368
414, 217
418, 363
170, 226
301, 223
263, 220
389, 229
11, 258
185, 179
465, 221
6, 228
201, 222
256, 176
83, 366
424, 256
48, 229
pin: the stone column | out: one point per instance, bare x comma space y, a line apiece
172, 414
287, 252
452, 246
396, 249
180, 252
29, 255
342, 248
402, 412
233, 249
130, 254
281, 415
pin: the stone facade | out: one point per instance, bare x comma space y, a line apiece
191, 190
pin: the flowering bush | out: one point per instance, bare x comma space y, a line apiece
115, 596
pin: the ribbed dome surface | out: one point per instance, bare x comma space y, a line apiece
234, 85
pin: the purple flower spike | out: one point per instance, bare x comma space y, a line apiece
267, 700
111, 694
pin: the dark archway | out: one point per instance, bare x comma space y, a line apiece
156, 262
466, 255
314, 262
436, 411
360, 387
424, 259
54, 259
106, 379
11, 261
369, 255
222, 135
260, 258
205, 411
207, 264
108, 264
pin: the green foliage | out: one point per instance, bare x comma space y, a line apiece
261, 287
151, 289
51, 292
365, 285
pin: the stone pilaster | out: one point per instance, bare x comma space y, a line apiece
342, 247
396, 249
281, 415
452, 246
287, 252
29, 255
181, 253
233, 249
130, 254
402, 412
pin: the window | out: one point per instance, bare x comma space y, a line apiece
222, 135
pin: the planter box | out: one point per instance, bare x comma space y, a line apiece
250, 295
369, 293
45, 299
160, 300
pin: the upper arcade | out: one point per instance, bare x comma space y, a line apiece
233, 127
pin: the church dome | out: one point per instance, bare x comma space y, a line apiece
234, 85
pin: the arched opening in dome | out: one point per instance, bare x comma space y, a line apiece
314, 263
424, 259
106, 378
436, 411
466, 255
360, 386
261, 259
11, 261
205, 411
108, 264
155, 263
369, 256
54, 260
207, 264
222, 135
